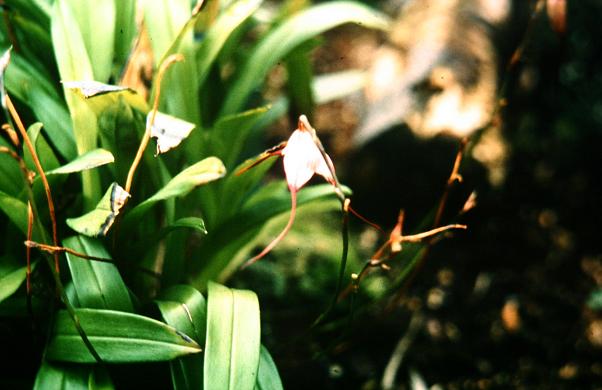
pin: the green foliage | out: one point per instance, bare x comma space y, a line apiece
188, 218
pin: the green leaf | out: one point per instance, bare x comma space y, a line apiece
230, 133
233, 338
188, 222
10, 280
200, 173
15, 209
219, 32
169, 23
96, 21
296, 30
34, 89
226, 246
118, 337
92, 159
125, 31
184, 308
74, 64
98, 285
299, 70
72, 377
98, 221
267, 375
43, 150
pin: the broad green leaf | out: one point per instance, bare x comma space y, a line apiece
118, 337
72, 377
69, 46
96, 21
74, 64
34, 89
98, 285
11, 280
233, 338
233, 191
229, 134
227, 245
267, 375
169, 32
15, 209
11, 176
188, 222
98, 221
219, 32
194, 223
184, 308
92, 159
299, 70
125, 30
43, 150
296, 30
198, 174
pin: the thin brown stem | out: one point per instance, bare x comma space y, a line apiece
38, 165
60, 249
28, 249
12, 135
149, 124
453, 177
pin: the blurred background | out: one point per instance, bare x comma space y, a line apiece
513, 302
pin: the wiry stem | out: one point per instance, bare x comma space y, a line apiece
149, 124
38, 165
280, 236
60, 249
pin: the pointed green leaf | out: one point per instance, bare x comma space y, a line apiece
227, 245
43, 150
92, 159
189, 222
219, 32
10, 280
74, 64
15, 209
72, 377
184, 308
98, 221
198, 174
233, 338
296, 30
118, 337
98, 37
169, 23
98, 285
31, 87
125, 31
267, 376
